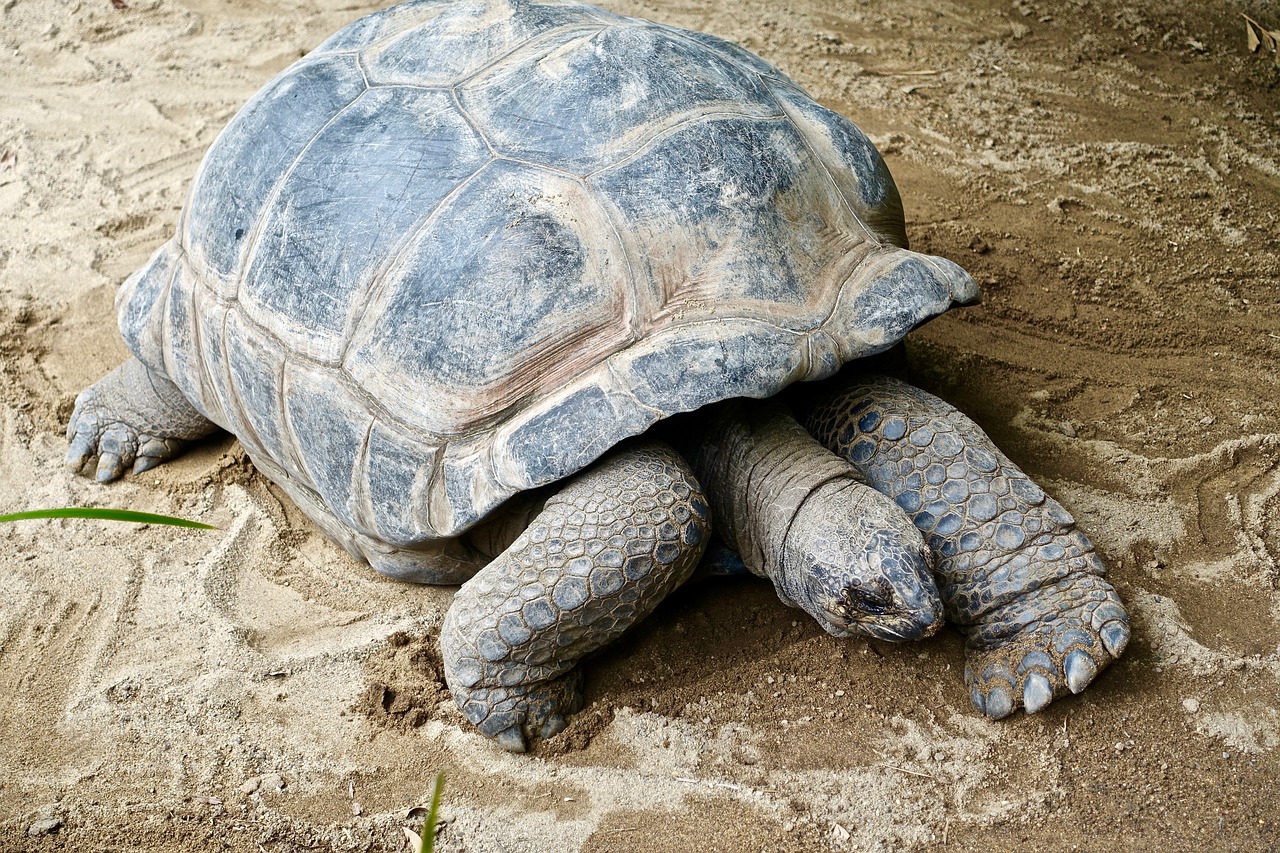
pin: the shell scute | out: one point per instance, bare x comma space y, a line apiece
695, 365
269, 134
369, 178
862, 176
585, 99
256, 364
751, 226
331, 426
460, 39
504, 294
397, 479
901, 291
550, 445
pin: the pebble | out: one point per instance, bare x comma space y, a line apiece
1191, 705
44, 826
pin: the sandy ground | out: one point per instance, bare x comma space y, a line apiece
1109, 172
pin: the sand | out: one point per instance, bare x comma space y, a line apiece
1109, 172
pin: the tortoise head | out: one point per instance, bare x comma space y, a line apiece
854, 561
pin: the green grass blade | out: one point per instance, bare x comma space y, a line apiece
429, 826
107, 515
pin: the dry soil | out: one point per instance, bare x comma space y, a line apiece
1110, 174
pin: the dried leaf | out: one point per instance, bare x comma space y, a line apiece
1260, 37
415, 840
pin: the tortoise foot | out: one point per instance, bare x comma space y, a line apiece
130, 419
516, 716
1048, 643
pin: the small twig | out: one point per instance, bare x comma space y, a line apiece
908, 770
717, 783
932, 72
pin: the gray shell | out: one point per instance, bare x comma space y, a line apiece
464, 248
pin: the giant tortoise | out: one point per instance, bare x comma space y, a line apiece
448, 277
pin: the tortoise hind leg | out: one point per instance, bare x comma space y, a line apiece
599, 557
131, 418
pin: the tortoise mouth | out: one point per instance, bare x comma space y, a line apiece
902, 626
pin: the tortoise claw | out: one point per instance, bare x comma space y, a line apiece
999, 704
145, 463
1037, 692
512, 740
1115, 636
1080, 669
110, 466
80, 452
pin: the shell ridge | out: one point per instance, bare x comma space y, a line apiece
235, 400
207, 390
854, 264
414, 86
615, 381
802, 127
524, 45
471, 122
166, 354
375, 298
639, 302
364, 73
361, 491
300, 473
273, 197
665, 129
543, 167
289, 440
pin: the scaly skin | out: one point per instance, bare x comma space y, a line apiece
1016, 575
599, 557
131, 418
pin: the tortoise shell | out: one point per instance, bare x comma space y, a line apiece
464, 248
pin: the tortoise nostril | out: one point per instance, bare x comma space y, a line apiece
874, 599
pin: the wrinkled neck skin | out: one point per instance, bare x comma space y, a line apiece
798, 515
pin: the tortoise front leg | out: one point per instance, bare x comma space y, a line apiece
605, 549
131, 418
1017, 576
